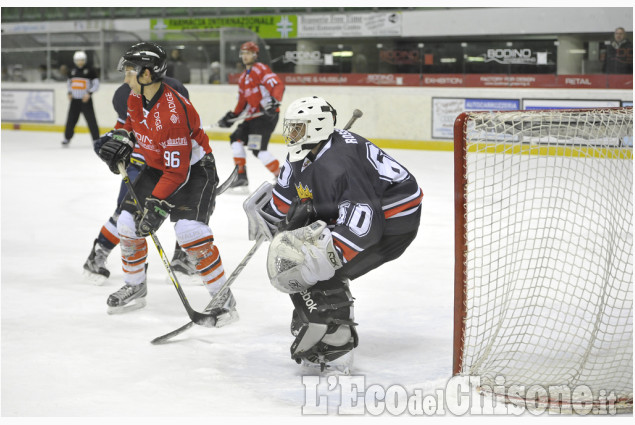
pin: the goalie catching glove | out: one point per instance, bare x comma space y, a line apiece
114, 147
298, 259
155, 211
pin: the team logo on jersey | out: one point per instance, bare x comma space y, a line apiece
303, 191
177, 141
174, 119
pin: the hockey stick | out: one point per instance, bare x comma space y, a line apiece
227, 183
233, 120
258, 231
196, 317
239, 268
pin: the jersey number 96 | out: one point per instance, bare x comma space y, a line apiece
172, 159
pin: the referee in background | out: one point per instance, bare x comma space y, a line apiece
82, 83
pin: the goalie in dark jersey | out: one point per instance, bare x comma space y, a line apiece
344, 207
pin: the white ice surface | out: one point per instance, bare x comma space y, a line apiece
63, 356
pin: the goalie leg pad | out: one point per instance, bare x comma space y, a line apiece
323, 323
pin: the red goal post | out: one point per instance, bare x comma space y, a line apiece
543, 250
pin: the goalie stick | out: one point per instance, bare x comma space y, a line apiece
258, 230
202, 319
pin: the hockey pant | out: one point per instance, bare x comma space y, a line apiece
255, 132
76, 107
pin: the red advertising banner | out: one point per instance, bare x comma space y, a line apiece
591, 81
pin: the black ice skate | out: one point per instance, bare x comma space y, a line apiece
120, 301
224, 309
95, 270
240, 186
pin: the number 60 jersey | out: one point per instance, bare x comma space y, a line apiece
168, 131
356, 188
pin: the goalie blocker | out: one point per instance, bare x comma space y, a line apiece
356, 208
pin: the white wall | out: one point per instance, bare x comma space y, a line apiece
514, 20
390, 113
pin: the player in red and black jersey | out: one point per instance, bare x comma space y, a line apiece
95, 269
179, 179
260, 92
362, 208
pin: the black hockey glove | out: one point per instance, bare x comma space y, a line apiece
301, 213
272, 107
116, 147
155, 211
224, 122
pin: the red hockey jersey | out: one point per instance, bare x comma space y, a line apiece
168, 131
256, 86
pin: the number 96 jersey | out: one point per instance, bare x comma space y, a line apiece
356, 188
168, 131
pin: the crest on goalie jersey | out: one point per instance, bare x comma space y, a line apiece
303, 191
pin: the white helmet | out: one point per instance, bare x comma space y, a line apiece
307, 122
79, 56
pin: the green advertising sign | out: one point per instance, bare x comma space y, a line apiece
266, 26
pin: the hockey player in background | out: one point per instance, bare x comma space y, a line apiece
345, 208
179, 180
260, 92
81, 84
95, 266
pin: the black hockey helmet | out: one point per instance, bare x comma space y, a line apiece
145, 55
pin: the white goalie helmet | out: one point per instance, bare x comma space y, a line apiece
307, 122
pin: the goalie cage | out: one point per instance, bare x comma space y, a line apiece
543, 256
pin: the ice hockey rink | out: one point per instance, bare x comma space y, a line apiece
63, 356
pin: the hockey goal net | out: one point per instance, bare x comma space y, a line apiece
544, 255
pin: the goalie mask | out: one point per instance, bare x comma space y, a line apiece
307, 122
143, 56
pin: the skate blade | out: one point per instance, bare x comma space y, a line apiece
135, 305
240, 190
338, 367
227, 319
94, 278
312, 369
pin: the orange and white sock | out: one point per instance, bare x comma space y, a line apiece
270, 162
197, 240
240, 156
134, 250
